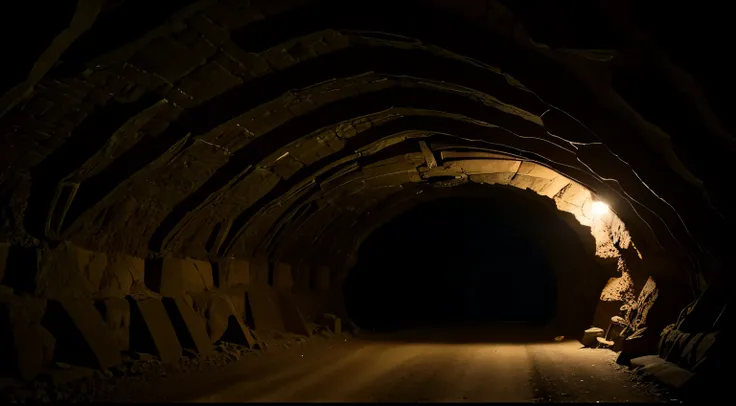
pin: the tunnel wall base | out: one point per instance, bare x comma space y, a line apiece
101, 288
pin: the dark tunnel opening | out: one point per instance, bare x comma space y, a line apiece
455, 260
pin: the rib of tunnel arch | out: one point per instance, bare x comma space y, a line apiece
100, 188
569, 195
241, 164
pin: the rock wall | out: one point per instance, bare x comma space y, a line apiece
79, 307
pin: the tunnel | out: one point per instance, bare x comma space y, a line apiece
481, 261
195, 179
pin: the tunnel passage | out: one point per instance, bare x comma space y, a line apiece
481, 255
452, 261
227, 133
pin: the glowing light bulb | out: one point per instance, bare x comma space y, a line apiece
599, 208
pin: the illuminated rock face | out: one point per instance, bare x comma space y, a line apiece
250, 143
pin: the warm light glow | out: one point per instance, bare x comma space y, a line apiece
599, 208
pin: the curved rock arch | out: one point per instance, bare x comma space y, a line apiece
275, 132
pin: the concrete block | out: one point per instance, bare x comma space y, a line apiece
24, 350
667, 373
123, 271
633, 347
687, 357
173, 277
294, 322
82, 272
646, 360
704, 348
222, 322
265, 307
116, 313
151, 330
82, 337
238, 333
333, 322
237, 298
283, 279
259, 268
591, 335
233, 272
189, 326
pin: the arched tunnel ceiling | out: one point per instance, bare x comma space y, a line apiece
226, 124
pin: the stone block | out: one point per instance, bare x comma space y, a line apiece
82, 273
265, 307
237, 298
332, 322
116, 313
233, 272
687, 357
591, 335
238, 333
82, 337
636, 346
282, 277
259, 270
222, 322
189, 326
151, 330
174, 277
705, 346
70, 272
666, 373
123, 271
294, 322
24, 349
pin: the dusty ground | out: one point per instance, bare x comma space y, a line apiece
406, 368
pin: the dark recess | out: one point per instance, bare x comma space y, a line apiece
453, 260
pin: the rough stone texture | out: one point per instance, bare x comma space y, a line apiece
321, 278
666, 372
69, 272
265, 307
190, 327
123, 272
234, 272
151, 330
116, 313
294, 321
283, 279
259, 269
82, 336
174, 277
704, 348
590, 336
203, 118
222, 317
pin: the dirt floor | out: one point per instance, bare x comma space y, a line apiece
409, 367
